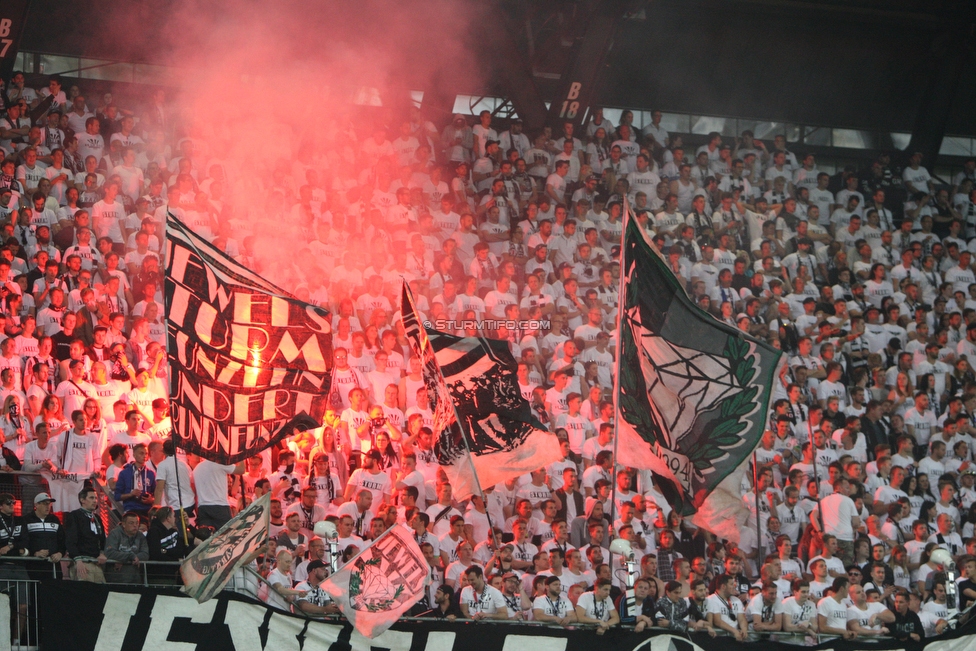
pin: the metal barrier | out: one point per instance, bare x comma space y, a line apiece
20, 577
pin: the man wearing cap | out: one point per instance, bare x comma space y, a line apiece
515, 598
445, 605
316, 553
43, 535
514, 139
315, 602
10, 533
11, 545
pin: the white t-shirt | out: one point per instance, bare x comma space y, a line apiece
276, 577
378, 484
167, 471
489, 601
862, 616
555, 607
834, 612
758, 607
716, 604
837, 511
797, 613
599, 610
211, 481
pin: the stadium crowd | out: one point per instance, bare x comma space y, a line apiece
869, 289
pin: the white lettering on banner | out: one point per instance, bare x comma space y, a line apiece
243, 620
243, 408
521, 642
242, 331
225, 370
234, 440
119, 608
392, 640
283, 633
172, 608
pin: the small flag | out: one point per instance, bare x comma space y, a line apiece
692, 393
250, 362
211, 565
380, 583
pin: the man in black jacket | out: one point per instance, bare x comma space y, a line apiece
85, 538
11, 545
43, 537
872, 427
907, 625
572, 503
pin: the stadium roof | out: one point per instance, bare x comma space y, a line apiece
855, 63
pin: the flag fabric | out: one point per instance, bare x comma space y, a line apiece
212, 565
250, 362
505, 438
450, 446
692, 393
380, 583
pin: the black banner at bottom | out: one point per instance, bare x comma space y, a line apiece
85, 617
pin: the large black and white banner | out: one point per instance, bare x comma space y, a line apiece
77, 616
251, 363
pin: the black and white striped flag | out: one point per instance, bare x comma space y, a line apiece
250, 361
498, 437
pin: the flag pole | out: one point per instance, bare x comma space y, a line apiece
184, 525
621, 295
755, 489
464, 435
816, 479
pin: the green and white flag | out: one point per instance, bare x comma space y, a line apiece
692, 392
212, 565
382, 582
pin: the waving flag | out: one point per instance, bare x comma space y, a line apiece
250, 361
380, 583
692, 393
212, 565
504, 437
451, 447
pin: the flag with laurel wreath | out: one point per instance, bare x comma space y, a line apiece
692, 392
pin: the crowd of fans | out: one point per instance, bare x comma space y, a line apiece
868, 288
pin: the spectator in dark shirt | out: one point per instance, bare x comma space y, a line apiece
11, 545
907, 625
967, 588
445, 605
85, 538
165, 538
43, 537
666, 555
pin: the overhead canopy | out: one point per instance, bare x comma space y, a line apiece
851, 63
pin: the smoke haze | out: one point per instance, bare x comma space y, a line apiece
266, 87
